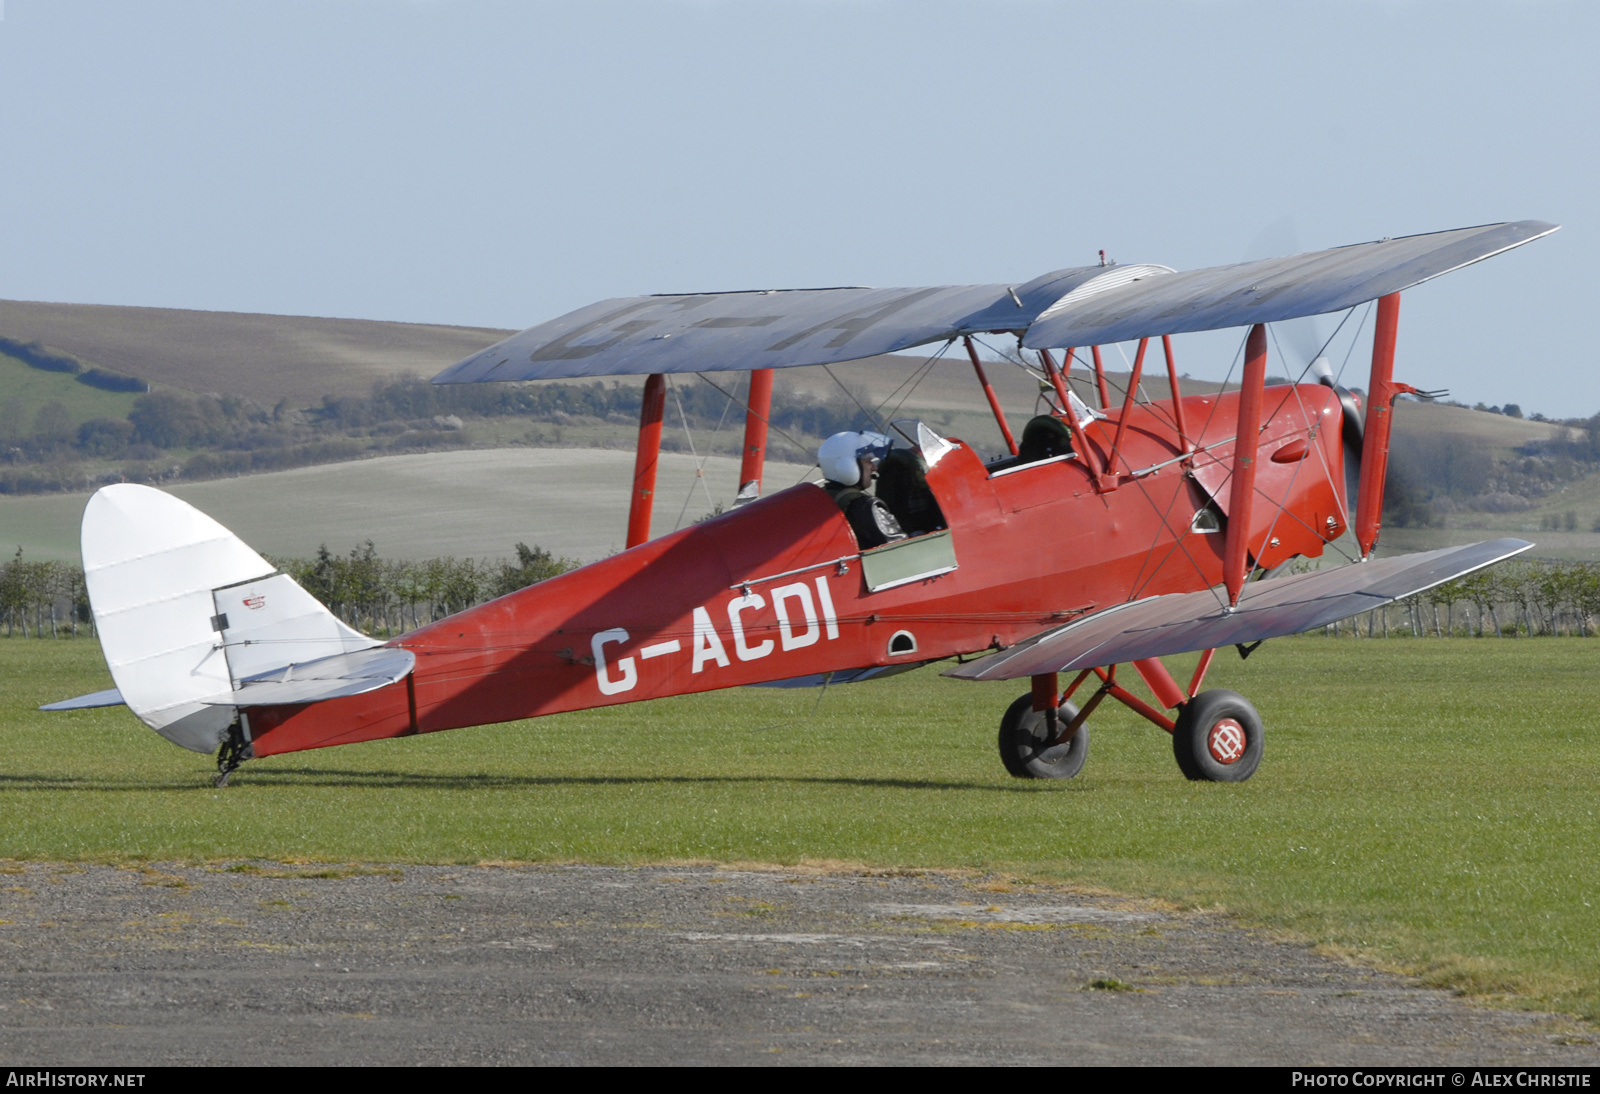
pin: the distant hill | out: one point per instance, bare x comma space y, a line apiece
478, 504
265, 357
302, 358
319, 390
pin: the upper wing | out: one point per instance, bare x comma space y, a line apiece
1090, 305
1181, 622
1270, 289
716, 331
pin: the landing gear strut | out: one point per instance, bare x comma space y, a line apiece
1217, 736
235, 750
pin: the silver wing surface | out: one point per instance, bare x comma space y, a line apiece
1090, 305
1271, 289
702, 332
1183, 622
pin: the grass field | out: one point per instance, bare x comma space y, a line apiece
31, 388
1423, 805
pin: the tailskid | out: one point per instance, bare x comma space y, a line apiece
236, 749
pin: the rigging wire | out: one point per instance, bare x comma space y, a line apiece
727, 404
746, 406
1354, 339
1082, 379
699, 461
872, 418
770, 424
1280, 505
1178, 543
915, 380
1007, 356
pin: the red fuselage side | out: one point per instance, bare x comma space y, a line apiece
775, 589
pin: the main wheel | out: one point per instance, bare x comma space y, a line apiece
1218, 737
1022, 743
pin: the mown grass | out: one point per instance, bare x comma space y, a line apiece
1425, 805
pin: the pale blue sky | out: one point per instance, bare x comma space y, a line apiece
499, 163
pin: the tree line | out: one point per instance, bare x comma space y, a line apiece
378, 596
1436, 473
1517, 599
169, 435
386, 597
48, 360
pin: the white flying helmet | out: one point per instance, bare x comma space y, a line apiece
838, 455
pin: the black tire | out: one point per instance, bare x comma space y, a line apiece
1022, 737
1218, 738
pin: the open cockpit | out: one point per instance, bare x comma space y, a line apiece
1045, 439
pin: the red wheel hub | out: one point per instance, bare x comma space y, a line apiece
1226, 741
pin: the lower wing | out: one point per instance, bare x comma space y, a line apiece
1183, 622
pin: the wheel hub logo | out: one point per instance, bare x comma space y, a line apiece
1226, 741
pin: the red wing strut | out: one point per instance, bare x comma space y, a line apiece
1183, 622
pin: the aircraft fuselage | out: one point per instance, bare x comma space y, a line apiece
778, 589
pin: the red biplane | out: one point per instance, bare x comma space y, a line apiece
1104, 539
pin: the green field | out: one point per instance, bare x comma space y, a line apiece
29, 388
1423, 805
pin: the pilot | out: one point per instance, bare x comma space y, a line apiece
850, 462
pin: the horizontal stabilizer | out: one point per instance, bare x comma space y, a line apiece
1183, 622
111, 697
325, 678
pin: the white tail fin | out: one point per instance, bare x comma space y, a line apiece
185, 611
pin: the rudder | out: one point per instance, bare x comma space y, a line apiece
162, 578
